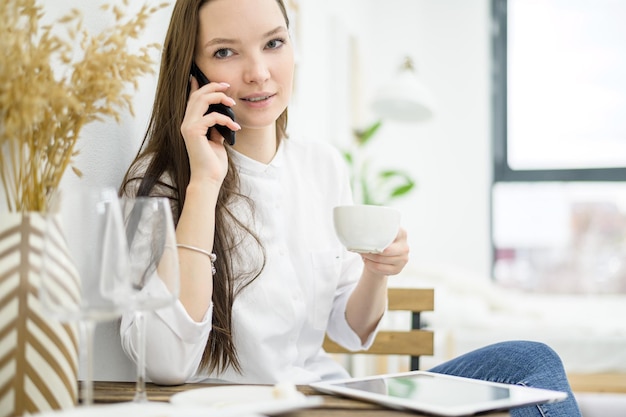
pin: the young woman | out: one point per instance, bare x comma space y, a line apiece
263, 277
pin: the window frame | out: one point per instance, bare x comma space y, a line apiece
502, 172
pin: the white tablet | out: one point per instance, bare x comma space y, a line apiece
438, 394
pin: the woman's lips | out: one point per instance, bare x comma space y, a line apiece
258, 100
255, 99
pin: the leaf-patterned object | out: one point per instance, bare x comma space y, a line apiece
38, 354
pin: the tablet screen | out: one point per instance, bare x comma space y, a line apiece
425, 388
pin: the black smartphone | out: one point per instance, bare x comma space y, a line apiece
229, 135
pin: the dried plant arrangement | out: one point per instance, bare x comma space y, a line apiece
55, 79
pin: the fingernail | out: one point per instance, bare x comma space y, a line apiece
238, 127
232, 100
225, 84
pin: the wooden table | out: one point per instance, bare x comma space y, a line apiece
112, 392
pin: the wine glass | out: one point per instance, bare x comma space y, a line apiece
154, 273
85, 267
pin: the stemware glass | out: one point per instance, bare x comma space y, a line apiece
154, 273
85, 267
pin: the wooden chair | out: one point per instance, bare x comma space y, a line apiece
413, 342
598, 382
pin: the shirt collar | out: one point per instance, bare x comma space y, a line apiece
253, 167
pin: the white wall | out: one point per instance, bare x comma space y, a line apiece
447, 217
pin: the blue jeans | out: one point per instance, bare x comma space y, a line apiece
518, 362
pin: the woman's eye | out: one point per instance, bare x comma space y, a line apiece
275, 43
223, 53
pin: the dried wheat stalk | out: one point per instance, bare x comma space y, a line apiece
42, 113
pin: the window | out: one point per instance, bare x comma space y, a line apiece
558, 209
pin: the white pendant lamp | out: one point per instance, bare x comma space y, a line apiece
405, 98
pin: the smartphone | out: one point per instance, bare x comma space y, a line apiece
229, 135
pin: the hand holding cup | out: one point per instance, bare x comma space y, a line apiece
366, 228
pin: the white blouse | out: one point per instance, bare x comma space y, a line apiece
279, 320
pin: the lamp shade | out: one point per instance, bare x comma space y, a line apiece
405, 98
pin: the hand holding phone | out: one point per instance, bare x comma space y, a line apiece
229, 135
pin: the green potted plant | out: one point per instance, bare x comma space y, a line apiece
375, 188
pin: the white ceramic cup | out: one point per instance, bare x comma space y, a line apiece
366, 228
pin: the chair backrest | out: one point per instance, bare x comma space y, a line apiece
413, 342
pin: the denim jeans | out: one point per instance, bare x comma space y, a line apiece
518, 362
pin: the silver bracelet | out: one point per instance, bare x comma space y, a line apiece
212, 256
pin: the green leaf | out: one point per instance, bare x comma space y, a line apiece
402, 190
348, 156
395, 184
390, 174
364, 136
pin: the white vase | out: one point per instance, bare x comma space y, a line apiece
38, 354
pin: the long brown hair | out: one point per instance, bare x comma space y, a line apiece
161, 168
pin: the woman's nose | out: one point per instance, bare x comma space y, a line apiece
257, 71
